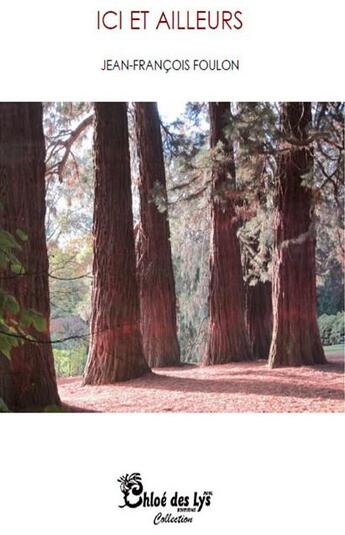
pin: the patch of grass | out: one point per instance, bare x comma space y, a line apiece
55, 408
3, 406
336, 347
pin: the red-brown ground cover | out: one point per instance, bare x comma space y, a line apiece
240, 387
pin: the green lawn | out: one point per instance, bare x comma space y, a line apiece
337, 347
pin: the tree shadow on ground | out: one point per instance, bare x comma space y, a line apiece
159, 381
65, 407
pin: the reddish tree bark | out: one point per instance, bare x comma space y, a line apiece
154, 262
28, 379
227, 339
295, 340
258, 315
116, 351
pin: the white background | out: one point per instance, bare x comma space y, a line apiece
270, 474
289, 50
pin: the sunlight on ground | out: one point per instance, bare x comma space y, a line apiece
237, 387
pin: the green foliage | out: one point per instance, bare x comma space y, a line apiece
9, 247
71, 278
330, 295
54, 408
15, 321
329, 262
332, 329
70, 362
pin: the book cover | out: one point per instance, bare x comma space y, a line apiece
171, 267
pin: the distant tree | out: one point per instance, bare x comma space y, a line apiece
27, 379
116, 351
328, 124
227, 338
255, 238
186, 155
296, 340
258, 296
154, 262
258, 313
253, 126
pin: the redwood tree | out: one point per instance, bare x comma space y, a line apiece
28, 379
116, 351
227, 339
258, 315
154, 262
296, 340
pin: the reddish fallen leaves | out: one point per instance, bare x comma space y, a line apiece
236, 387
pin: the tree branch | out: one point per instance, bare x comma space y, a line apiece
59, 167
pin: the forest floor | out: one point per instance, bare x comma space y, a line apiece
238, 387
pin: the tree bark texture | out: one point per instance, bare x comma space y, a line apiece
295, 340
116, 351
28, 379
154, 261
227, 338
258, 315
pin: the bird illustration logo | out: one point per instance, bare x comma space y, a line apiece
131, 487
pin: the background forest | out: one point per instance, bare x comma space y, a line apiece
69, 131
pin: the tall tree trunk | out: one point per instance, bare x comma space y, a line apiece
154, 262
28, 379
227, 339
296, 340
116, 351
258, 314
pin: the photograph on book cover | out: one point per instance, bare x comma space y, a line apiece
158, 257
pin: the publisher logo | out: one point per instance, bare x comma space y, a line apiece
131, 488
170, 507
